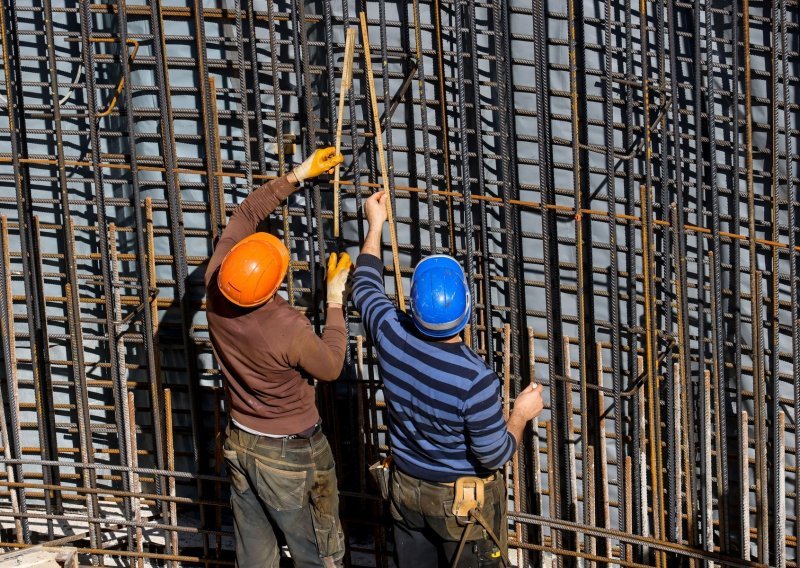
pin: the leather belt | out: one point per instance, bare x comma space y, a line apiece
307, 433
487, 479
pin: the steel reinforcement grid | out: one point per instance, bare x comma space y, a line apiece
619, 180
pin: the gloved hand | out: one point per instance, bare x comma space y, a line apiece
338, 272
320, 161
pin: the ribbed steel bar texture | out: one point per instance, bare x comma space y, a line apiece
619, 179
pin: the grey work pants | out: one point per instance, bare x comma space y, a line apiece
427, 534
288, 486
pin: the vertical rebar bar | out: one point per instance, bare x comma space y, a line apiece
463, 168
9, 358
304, 93
178, 238
444, 121
715, 265
119, 389
9, 27
426, 150
793, 261
242, 87
145, 259
559, 488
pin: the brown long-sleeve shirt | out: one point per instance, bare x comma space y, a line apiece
269, 354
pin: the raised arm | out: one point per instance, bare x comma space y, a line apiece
244, 221
321, 357
375, 211
264, 200
369, 294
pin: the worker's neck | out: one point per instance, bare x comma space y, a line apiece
454, 339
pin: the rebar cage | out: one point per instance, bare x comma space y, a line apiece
619, 180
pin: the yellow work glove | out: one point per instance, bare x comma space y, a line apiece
320, 161
338, 272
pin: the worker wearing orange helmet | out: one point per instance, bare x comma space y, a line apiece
282, 471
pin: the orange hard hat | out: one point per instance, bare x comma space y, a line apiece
252, 270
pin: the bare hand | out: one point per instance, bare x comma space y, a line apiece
375, 209
529, 403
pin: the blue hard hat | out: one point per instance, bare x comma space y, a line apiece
440, 298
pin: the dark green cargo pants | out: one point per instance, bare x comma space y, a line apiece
426, 533
285, 485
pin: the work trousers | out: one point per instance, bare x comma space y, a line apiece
286, 485
427, 534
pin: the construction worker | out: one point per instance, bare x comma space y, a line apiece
281, 466
446, 428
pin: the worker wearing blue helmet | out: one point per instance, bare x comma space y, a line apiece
447, 434
440, 299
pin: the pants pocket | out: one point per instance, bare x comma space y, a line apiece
238, 478
280, 489
324, 504
449, 527
396, 494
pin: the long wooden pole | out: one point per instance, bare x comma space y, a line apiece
401, 301
347, 80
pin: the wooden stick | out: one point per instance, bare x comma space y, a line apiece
133, 448
173, 507
220, 193
347, 80
401, 300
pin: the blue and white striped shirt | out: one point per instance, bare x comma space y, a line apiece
445, 414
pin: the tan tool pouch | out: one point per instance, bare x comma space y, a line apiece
468, 496
381, 472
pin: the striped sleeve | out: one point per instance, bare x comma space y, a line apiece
369, 295
488, 437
